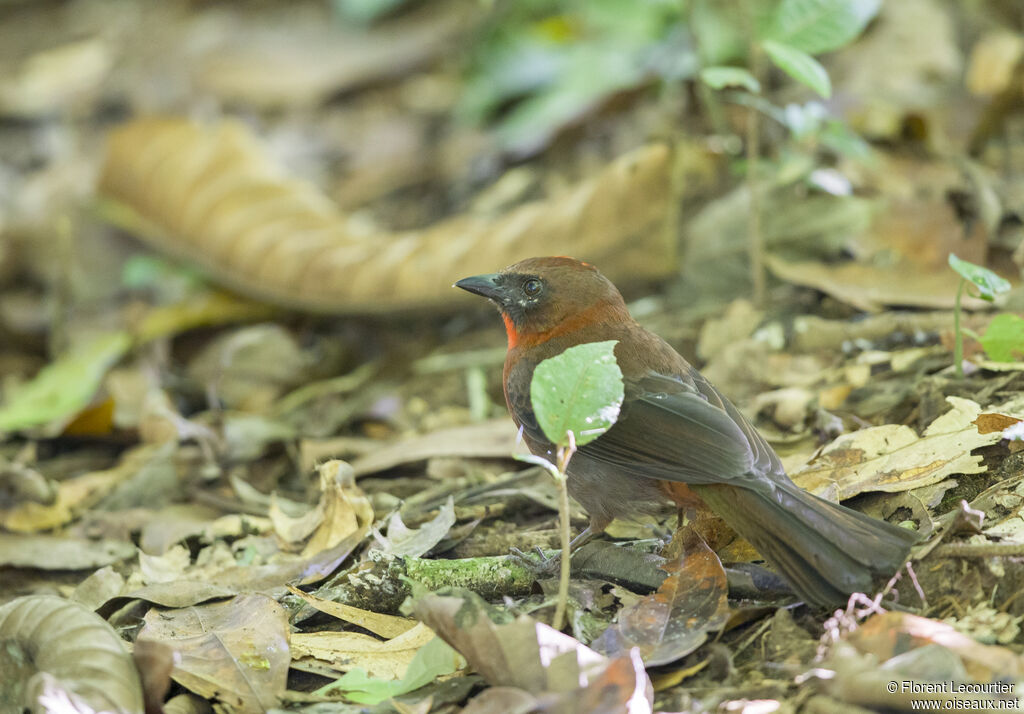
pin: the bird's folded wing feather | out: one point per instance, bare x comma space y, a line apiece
684, 431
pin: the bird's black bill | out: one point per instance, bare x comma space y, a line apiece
485, 285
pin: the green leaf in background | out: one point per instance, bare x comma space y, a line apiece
364, 11
580, 391
1004, 338
721, 77
815, 26
720, 39
543, 66
433, 660
988, 283
64, 387
800, 66
169, 281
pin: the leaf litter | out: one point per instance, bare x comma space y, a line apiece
168, 463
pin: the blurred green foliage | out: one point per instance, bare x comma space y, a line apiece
540, 65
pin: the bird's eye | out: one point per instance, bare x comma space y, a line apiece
532, 287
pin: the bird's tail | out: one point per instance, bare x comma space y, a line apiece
825, 551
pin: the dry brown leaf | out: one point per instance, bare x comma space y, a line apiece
993, 60
674, 621
155, 662
210, 195
501, 700
894, 458
342, 512
73, 646
892, 633
413, 542
345, 651
264, 67
871, 287
211, 580
908, 62
921, 231
60, 552
378, 623
532, 656
236, 651
77, 494
50, 80
494, 439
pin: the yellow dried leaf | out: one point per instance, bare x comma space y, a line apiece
77, 494
348, 650
894, 458
994, 58
376, 622
343, 510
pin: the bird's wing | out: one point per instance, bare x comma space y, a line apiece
677, 430
765, 459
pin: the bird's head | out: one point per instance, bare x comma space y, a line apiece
542, 297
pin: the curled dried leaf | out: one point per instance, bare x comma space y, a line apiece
67, 647
210, 195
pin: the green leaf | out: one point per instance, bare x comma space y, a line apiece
800, 66
580, 391
1004, 338
816, 26
988, 283
433, 660
365, 11
720, 38
63, 388
721, 77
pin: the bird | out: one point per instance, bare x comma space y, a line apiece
677, 438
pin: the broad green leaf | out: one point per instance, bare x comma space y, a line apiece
580, 391
721, 77
800, 66
1004, 338
816, 26
63, 388
433, 660
988, 283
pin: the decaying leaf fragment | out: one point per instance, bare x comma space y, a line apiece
210, 195
674, 621
378, 623
893, 458
345, 651
236, 651
403, 540
893, 633
534, 657
343, 511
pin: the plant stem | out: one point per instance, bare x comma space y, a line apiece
566, 561
958, 344
564, 454
755, 238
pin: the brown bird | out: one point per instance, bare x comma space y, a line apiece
676, 436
